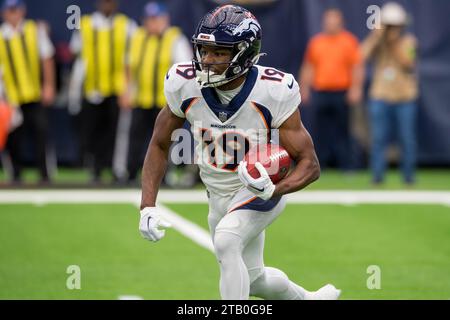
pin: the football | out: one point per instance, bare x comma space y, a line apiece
273, 157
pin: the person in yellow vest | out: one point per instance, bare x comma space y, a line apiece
27, 78
154, 48
101, 45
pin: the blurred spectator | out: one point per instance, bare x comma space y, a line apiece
154, 48
101, 44
393, 90
331, 78
26, 57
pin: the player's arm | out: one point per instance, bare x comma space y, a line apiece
152, 173
155, 162
298, 143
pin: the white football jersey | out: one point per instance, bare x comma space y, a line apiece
224, 133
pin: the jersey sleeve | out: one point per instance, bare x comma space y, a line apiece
173, 92
286, 98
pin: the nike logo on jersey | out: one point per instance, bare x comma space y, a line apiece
291, 85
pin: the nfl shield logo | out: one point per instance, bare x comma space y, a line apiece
223, 116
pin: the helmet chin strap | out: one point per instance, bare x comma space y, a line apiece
211, 79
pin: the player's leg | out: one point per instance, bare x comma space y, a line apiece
234, 283
266, 282
239, 244
234, 278
234, 232
273, 284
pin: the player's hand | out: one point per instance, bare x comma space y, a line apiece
262, 187
150, 223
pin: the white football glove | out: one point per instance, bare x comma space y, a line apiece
262, 187
150, 222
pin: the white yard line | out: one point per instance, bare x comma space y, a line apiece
41, 197
370, 197
69, 196
187, 228
199, 196
197, 233
129, 297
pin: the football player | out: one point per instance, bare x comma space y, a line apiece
232, 104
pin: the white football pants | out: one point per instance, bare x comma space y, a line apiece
237, 223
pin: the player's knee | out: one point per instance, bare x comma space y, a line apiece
226, 243
255, 273
271, 282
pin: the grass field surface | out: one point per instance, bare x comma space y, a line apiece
313, 244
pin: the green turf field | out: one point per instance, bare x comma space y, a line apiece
313, 244
39, 243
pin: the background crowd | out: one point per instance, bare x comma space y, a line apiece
88, 98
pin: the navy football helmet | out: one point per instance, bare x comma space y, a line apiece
232, 27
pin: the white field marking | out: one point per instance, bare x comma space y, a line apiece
126, 297
370, 197
197, 233
42, 197
187, 228
348, 197
182, 225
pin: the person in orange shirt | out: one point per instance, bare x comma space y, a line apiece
331, 79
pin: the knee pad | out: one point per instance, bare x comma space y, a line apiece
227, 243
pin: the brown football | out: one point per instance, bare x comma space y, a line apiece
273, 157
